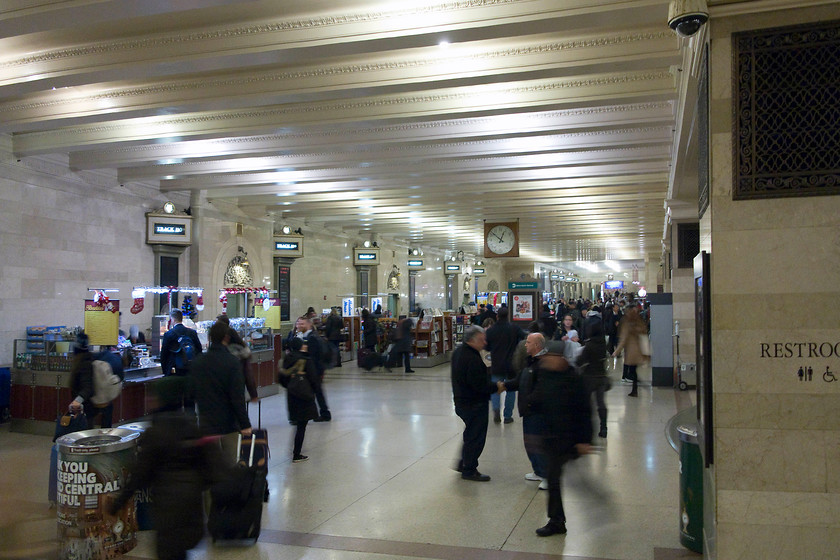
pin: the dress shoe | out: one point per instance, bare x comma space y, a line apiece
632, 394
409, 371
551, 529
475, 476
602, 433
497, 418
508, 420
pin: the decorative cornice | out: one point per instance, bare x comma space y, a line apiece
235, 32
244, 82
380, 102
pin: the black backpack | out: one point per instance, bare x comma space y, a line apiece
184, 352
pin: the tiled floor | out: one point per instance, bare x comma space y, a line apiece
379, 483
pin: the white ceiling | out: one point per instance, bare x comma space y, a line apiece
560, 114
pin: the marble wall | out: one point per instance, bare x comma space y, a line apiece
774, 278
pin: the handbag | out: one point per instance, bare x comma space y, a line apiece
644, 344
69, 423
299, 385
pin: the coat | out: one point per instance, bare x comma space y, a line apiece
403, 341
219, 387
628, 341
169, 345
561, 398
300, 409
177, 466
471, 383
502, 339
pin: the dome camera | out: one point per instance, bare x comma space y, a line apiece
686, 17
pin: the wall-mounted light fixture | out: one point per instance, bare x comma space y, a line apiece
286, 230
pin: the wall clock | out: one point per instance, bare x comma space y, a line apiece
501, 239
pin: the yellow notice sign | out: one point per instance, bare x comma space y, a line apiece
271, 315
102, 322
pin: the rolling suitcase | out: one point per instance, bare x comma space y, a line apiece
368, 359
261, 450
237, 502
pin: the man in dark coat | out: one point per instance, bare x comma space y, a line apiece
560, 397
306, 332
169, 345
301, 406
471, 389
219, 389
502, 339
334, 331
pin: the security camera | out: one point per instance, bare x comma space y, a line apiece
686, 17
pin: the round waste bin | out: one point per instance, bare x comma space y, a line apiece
691, 489
143, 498
92, 469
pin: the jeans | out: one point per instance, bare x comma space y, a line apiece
475, 417
533, 427
510, 398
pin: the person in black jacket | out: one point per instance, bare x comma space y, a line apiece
560, 397
502, 339
81, 378
471, 390
219, 389
334, 331
592, 364
306, 332
369, 334
403, 344
301, 406
169, 345
532, 424
177, 466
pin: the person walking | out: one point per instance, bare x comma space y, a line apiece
630, 329
560, 399
502, 339
471, 390
300, 394
306, 332
591, 362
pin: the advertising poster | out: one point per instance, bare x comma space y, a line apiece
102, 322
523, 307
271, 315
348, 307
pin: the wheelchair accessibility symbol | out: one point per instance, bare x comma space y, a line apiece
828, 376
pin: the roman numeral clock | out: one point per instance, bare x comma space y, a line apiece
501, 239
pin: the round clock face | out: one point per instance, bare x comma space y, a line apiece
500, 240
169, 208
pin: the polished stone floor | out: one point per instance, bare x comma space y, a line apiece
379, 483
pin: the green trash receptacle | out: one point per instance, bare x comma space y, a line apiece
691, 489
92, 469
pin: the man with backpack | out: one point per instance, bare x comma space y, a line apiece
317, 350
180, 345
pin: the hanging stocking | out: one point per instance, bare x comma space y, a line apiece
223, 299
199, 302
139, 300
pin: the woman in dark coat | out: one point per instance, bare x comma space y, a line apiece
301, 404
371, 337
403, 344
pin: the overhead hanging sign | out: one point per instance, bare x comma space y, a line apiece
365, 256
415, 264
523, 285
288, 245
168, 229
478, 272
452, 268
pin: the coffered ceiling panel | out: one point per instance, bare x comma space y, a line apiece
414, 119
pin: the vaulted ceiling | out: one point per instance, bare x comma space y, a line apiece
409, 119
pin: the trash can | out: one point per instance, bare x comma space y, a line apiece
143, 497
92, 469
691, 489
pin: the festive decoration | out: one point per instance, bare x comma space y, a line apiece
101, 298
139, 300
187, 307
223, 300
199, 303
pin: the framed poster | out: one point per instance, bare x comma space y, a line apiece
523, 307
703, 339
